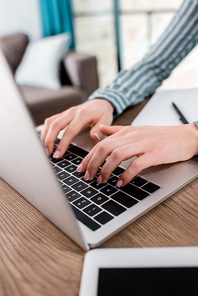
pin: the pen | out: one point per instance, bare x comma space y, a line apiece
181, 116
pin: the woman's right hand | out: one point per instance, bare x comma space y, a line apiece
93, 113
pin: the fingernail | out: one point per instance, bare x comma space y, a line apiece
47, 151
119, 183
56, 154
97, 136
99, 180
79, 168
101, 124
86, 176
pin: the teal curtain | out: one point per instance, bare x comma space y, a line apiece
57, 18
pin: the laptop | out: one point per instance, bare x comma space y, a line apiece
47, 184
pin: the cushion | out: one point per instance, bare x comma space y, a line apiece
41, 61
13, 47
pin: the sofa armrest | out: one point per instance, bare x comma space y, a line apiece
13, 47
82, 71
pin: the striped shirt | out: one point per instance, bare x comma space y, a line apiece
130, 87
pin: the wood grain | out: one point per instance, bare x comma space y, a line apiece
36, 258
172, 223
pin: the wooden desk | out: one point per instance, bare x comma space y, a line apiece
36, 258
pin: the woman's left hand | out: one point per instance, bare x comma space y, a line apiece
153, 145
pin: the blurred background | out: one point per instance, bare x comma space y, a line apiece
118, 32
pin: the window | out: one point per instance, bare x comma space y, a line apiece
94, 27
120, 32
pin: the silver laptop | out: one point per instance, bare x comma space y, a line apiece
87, 213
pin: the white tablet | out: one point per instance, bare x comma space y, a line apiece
142, 271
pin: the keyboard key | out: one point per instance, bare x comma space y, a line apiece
85, 219
134, 191
124, 199
79, 186
113, 180
55, 160
70, 156
89, 192
65, 188
62, 175
90, 181
118, 171
73, 195
97, 185
66, 153
138, 181
113, 208
92, 210
77, 161
81, 203
56, 169
78, 175
99, 199
103, 218
57, 141
70, 180
150, 187
78, 151
108, 190
71, 168
63, 164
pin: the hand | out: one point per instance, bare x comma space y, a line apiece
152, 146
94, 113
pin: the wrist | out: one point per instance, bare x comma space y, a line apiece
108, 105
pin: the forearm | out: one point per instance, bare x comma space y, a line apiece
133, 85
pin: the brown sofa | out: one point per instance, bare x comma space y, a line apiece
78, 75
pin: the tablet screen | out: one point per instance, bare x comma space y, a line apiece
148, 281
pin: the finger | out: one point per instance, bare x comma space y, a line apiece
142, 162
55, 127
73, 128
46, 126
92, 162
121, 153
95, 132
109, 130
100, 152
113, 161
96, 158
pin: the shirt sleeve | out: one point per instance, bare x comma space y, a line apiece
132, 86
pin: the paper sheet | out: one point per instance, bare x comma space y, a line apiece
159, 110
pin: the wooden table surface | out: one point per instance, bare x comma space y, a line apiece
36, 258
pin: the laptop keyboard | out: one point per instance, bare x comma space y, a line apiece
96, 204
